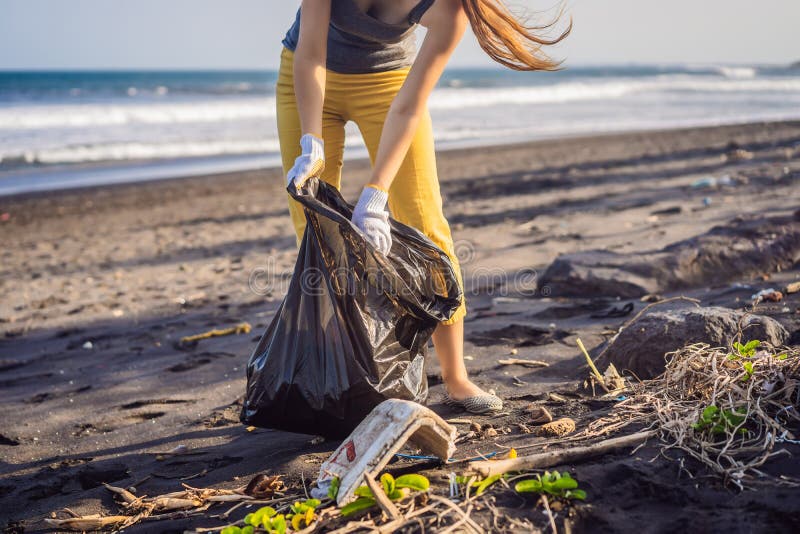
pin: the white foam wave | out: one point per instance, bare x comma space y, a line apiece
738, 72
450, 98
35, 117
221, 110
143, 151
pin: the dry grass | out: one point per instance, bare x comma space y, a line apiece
767, 395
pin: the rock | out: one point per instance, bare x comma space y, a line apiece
641, 346
558, 428
741, 248
539, 415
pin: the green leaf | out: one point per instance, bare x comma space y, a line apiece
360, 504
782, 356
576, 494
333, 491
528, 486
396, 495
414, 482
230, 530
709, 412
363, 491
279, 524
750, 347
387, 481
566, 482
248, 529
313, 503
486, 482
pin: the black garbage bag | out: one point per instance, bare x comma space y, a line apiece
353, 328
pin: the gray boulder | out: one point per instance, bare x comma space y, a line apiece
741, 248
640, 347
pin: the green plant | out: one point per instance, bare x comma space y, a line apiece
303, 513
744, 351
266, 518
395, 489
333, 491
557, 484
237, 530
480, 485
717, 421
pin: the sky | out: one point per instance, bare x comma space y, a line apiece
231, 34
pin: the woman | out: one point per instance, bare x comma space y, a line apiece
354, 60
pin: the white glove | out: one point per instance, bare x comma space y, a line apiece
309, 163
370, 216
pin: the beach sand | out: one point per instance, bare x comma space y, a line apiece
99, 285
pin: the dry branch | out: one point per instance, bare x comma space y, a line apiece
553, 458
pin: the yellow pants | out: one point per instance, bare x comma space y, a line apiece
414, 197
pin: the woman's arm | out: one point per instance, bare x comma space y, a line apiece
309, 64
446, 22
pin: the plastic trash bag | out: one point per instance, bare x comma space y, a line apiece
353, 328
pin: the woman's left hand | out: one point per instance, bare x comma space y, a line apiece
370, 216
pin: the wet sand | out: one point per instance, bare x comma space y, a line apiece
99, 285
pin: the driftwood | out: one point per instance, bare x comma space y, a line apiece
552, 458
526, 363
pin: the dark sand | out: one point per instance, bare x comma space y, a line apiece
98, 285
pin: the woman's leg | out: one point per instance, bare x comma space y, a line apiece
289, 133
415, 200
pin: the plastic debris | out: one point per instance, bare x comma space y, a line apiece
354, 326
767, 295
376, 440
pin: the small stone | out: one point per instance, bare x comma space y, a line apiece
514, 352
558, 428
88, 345
475, 427
540, 415
490, 432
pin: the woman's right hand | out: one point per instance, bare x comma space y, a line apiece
309, 163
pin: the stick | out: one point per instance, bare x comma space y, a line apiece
381, 498
596, 373
552, 458
242, 328
468, 520
526, 363
549, 513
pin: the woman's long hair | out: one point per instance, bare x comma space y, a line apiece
508, 40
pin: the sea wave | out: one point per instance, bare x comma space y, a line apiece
35, 117
458, 98
140, 151
222, 110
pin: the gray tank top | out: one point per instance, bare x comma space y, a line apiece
359, 43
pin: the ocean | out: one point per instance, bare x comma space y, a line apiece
67, 129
